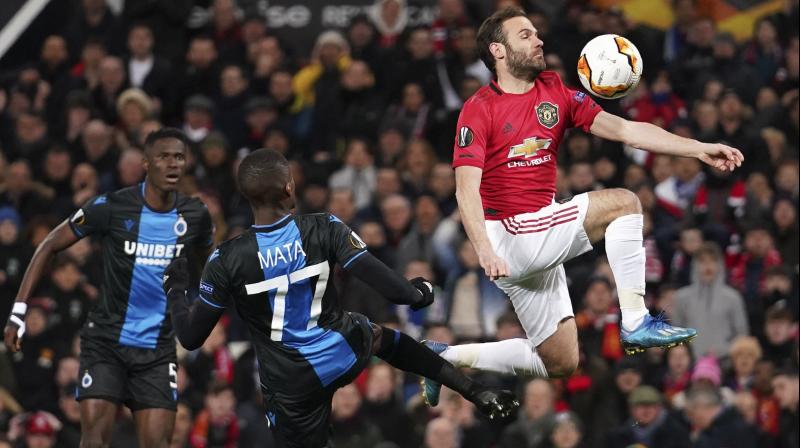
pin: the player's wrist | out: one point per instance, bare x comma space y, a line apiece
17, 317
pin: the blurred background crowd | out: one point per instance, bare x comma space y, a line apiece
367, 118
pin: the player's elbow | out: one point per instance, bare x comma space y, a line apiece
190, 342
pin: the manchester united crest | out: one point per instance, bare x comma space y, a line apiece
547, 114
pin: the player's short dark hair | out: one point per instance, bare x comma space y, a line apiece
262, 176
163, 133
491, 30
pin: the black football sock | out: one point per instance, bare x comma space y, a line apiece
403, 352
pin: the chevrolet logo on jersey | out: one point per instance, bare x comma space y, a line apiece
529, 147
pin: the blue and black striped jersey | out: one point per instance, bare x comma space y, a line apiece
279, 279
138, 243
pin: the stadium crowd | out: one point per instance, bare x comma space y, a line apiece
367, 119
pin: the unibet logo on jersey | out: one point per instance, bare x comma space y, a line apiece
153, 254
527, 149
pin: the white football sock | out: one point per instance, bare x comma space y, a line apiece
626, 257
511, 357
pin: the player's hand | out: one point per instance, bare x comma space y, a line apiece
721, 157
494, 266
425, 289
15, 327
176, 275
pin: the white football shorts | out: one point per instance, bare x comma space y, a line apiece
535, 245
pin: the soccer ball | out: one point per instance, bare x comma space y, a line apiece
610, 66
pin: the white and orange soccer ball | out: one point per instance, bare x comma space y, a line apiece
610, 66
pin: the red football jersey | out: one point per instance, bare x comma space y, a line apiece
514, 139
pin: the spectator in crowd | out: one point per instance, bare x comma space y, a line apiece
230, 117
567, 431
715, 425
70, 416
786, 389
745, 351
780, 335
716, 309
216, 425
390, 17
440, 433
678, 373
201, 75
473, 431
651, 424
14, 255
147, 71
690, 240
359, 105
383, 407
536, 417
72, 304
787, 235
350, 425
358, 173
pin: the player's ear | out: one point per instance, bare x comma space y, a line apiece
289, 188
497, 50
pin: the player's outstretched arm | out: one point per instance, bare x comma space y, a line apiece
418, 293
652, 138
193, 322
468, 182
57, 240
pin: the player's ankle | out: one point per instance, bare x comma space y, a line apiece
632, 319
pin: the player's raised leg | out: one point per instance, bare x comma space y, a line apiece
616, 215
97, 422
154, 427
403, 352
551, 349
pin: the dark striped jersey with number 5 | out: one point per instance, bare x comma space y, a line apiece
138, 244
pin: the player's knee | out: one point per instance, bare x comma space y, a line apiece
628, 202
563, 365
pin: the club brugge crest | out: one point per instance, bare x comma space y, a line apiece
180, 226
548, 114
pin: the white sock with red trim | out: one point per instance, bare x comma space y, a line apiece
626, 257
510, 357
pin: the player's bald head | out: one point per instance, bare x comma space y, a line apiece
263, 177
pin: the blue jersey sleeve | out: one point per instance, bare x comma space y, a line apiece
215, 282
345, 244
93, 218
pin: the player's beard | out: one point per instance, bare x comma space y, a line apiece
522, 66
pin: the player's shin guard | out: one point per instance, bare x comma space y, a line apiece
403, 352
627, 260
510, 357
